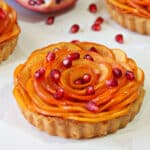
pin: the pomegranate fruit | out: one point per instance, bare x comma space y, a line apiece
90, 90
47, 6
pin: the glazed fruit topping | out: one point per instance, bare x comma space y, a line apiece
119, 38
55, 75
74, 56
75, 41
93, 8
74, 28
36, 2
117, 72
112, 83
50, 56
86, 78
2, 14
88, 57
67, 62
91, 106
93, 49
50, 20
130, 75
79, 81
39, 73
90, 90
59, 94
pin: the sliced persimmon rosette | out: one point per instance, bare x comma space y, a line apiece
9, 30
79, 90
132, 14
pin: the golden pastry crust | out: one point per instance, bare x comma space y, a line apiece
79, 130
130, 21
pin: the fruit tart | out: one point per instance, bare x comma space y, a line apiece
45, 6
131, 14
9, 30
80, 90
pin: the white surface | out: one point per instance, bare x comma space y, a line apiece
16, 133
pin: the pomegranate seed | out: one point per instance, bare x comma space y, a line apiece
130, 75
74, 28
96, 27
117, 72
58, 1
59, 94
79, 81
93, 49
73, 56
90, 90
50, 20
2, 14
50, 56
93, 8
91, 106
75, 41
67, 62
112, 83
88, 57
39, 73
32, 2
119, 38
40, 2
99, 20
55, 75
86, 78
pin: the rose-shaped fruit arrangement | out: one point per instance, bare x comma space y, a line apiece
46, 6
79, 90
9, 30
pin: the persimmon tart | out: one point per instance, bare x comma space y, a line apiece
9, 30
80, 90
131, 14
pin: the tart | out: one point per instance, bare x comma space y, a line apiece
9, 30
131, 14
81, 90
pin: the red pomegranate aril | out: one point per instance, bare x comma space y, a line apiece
39, 73
93, 8
119, 38
40, 2
74, 56
50, 56
130, 75
117, 72
59, 94
93, 49
67, 62
32, 2
55, 75
112, 83
79, 81
91, 106
50, 20
2, 14
96, 27
99, 20
74, 28
90, 90
75, 41
86, 78
88, 57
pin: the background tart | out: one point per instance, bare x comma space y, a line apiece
131, 14
9, 30
80, 90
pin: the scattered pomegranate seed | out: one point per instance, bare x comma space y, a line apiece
91, 106
86, 78
79, 81
119, 38
90, 90
59, 94
96, 27
93, 8
67, 62
75, 41
112, 83
74, 56
117, 72
130, 75
50, 20
99, 20
50, 56
39, 73
93, 49
74, 28
55, 75
88, 57
2, 14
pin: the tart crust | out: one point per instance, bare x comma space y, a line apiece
132, 22
81, 130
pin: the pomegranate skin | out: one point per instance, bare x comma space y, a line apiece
51, 6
